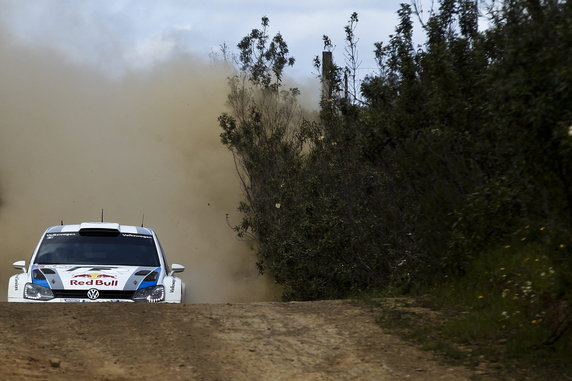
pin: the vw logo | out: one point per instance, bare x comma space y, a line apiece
93, 293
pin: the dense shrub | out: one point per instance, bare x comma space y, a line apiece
447, 150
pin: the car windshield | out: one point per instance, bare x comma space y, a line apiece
98, 249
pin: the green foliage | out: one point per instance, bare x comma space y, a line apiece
263, 61
514, 311
445, 152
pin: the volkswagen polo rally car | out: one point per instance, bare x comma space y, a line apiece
97, 262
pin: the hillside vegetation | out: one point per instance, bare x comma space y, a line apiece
448, 170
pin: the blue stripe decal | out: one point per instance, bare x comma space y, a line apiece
41, 282
147, 284
150, 283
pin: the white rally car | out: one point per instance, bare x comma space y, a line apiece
97, 262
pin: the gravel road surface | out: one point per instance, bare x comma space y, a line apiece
328, 340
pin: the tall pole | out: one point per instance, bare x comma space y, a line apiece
327, 72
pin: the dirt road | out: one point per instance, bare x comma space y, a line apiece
330, 340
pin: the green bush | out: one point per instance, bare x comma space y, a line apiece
447, 148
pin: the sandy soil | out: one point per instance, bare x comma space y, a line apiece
329, 340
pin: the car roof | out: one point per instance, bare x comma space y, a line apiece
100, 226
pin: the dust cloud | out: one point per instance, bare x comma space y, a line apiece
74, 140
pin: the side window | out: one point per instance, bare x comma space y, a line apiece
167, 269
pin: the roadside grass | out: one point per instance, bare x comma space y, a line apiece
410, 319
507, 317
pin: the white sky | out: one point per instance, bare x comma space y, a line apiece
115, 35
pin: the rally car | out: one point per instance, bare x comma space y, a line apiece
97, 262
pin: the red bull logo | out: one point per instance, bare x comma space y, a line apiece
94, 276
94, 279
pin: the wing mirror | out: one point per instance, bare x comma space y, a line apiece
20, 265
176, 268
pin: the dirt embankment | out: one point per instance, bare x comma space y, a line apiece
330, 340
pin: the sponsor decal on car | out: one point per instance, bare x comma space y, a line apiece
137, 236
93, 282
94, 276
94, 279
52, 235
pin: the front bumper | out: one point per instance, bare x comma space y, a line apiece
79, 300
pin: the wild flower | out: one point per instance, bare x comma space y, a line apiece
277, 205
534, 321
542, 228
502, 269
562, 246
527, 288
480, 297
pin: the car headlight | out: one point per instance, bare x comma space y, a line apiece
150, 294
36, 292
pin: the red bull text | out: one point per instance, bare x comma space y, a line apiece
93, 282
